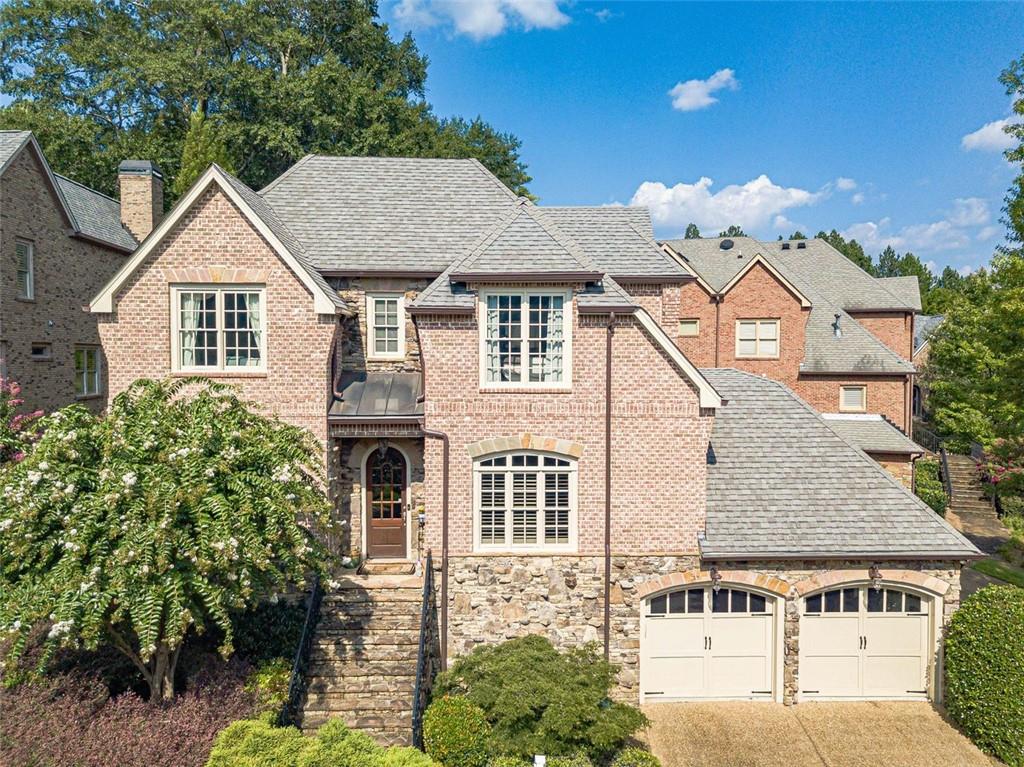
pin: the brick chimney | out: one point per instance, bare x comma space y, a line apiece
142, 196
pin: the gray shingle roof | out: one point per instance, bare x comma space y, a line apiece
907, 289
10, 142
871, 433
831, 281
378, 396
387, 213
604, 295
924, 326
782, 483
269, 217
97, 215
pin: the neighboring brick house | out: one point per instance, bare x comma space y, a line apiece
59, 242
801, 313
499, 383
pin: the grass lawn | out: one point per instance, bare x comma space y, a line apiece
1001, 570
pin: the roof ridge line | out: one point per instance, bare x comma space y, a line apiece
572, 247
87, 188
301, 161
483, 169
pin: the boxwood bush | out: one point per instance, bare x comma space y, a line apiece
455, 732
635, 757
928, 486
541, 701
985, 671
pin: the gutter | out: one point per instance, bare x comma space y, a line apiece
578, 276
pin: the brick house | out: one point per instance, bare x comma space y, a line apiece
59, 243
502, 384
800, 312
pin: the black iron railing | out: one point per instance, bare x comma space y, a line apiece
424, 654
947, 482
926, 438
297, 684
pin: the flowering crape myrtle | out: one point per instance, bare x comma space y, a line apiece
179, 506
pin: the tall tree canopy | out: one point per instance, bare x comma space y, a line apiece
849, 248
692, 232
103, 80
733, 231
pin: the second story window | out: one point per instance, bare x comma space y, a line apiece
853, 399
24, 253
385, 327
757, 339
219, 329
525, 339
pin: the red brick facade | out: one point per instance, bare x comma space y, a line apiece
67, 272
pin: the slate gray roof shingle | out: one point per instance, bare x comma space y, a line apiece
10, 142
871, 433
781, 483
98, 216
829, 280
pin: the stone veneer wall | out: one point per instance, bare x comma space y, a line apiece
493, 598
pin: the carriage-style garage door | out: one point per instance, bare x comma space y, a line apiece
862, 642
702, 643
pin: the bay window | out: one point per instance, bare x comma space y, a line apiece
219, 329
525, 501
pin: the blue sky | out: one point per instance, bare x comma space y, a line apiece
873, 119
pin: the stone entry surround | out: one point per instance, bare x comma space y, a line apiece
493, 598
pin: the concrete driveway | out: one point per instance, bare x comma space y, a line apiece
737, 734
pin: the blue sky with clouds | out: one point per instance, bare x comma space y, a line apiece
878, 120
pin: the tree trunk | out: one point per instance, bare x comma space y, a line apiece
161, 681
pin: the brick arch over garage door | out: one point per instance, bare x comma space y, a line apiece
734, 577
823, 580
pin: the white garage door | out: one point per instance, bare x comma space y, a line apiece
699, 643
861, 642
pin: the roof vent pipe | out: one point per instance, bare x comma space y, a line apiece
785, 246
836, 329
801, 245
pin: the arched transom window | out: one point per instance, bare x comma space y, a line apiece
525, 501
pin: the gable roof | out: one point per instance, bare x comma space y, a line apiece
261, 216
871, 433
783, 484
907, 289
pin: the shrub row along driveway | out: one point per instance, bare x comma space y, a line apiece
732, 734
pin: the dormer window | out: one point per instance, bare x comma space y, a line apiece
525, 339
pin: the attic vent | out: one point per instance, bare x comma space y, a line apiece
726, 244
801, 246
785, 246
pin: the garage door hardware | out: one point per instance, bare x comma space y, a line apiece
863, 643
707, 643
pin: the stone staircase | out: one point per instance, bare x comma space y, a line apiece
362, 667
970, 510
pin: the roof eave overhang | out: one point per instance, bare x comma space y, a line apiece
790, 556
400, 273
464, 310
892, 309
653, 279
103, 243
840, 372
890, 451
606, 309
502, 277
375, 421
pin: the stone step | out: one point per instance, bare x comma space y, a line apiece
357, 596
381, 701
368, 635
385, 567
977, 506
398, 735
354, 669
380, 654
370, 623
362, 686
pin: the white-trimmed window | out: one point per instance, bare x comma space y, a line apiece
525, 339
853, 399
24, 252
385, 326
525, 501
689, 328
219, 329
87, 371
757, 339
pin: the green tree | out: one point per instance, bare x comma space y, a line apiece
163, 517
733, 231
99, 82
1012, 79
692, 232
849, 248
892, 264
203, 146
945, 290
798, 235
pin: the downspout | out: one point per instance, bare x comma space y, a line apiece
446, 452
908, 387
608, 485
718, 311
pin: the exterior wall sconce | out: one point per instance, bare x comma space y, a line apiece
716, 579
876, 577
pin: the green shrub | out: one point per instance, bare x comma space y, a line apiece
575, 760
404, 757
506, 760
635, 757
540, 701
455, 732
985, 671
269, 681
928, 486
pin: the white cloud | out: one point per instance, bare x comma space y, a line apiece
967, 271
969, 211
858, 198
696, 94
481, 19
987, 233
781, 222
990, 137
751, 205
936, 236
932, 266
845, 184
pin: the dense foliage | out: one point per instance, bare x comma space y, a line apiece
102, 81
985, 671
270, 630
541, 701
70, 721
17, 426
161, 518
254, 743
928, 486
456, 732
635, 757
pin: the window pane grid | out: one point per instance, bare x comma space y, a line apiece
220, 329
87, 372
525, 500
24, 270
524, 343
241, 329
757, 338
385, 327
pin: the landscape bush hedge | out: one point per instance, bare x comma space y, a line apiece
456, 732
928, 486
257, 743
269, 630
540, 701
635, 757
985, 671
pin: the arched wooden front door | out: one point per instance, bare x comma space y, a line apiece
385, 504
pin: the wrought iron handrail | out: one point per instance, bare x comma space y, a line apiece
947, 482
926, 438
423, 675
297, 683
